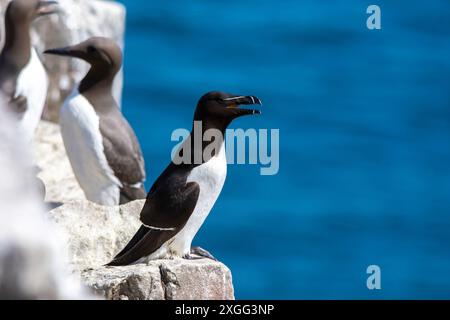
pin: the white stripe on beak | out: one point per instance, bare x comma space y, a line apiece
234, 98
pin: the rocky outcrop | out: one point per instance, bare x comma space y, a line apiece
95, 233
176, 279
76, 21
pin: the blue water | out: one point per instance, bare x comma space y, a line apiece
364, 119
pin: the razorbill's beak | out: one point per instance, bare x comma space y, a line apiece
234, 103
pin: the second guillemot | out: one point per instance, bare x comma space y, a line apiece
101, 145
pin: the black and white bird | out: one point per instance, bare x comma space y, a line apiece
23, 79
101, 145
184, 194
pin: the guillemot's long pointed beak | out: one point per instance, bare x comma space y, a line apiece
59, 51
47, 7
235, 102
65, 52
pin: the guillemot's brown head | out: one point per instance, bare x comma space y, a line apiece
18, 18
104, 56
99, 52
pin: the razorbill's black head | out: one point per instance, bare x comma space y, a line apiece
218, 109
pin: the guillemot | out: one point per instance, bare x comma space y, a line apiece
23, 79
184, 194
101, 145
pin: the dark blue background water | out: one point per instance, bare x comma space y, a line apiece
364, 119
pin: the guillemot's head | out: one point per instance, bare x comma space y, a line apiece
28, 10
222, 108
99, 52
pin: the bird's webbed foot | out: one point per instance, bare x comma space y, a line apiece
189, 256
202, 253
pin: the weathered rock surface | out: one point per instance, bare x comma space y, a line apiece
76, 21
176, 279
95, 233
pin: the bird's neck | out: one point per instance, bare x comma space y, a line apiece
17, 49
197, 143
219, 124
99, 80
210, 140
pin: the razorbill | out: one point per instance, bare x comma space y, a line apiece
184, 194
101, 145
23, 80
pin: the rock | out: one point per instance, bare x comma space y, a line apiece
176, 279
76, 21
96, 233
56, 172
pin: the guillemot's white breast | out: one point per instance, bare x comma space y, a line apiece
32, 83
80, 129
